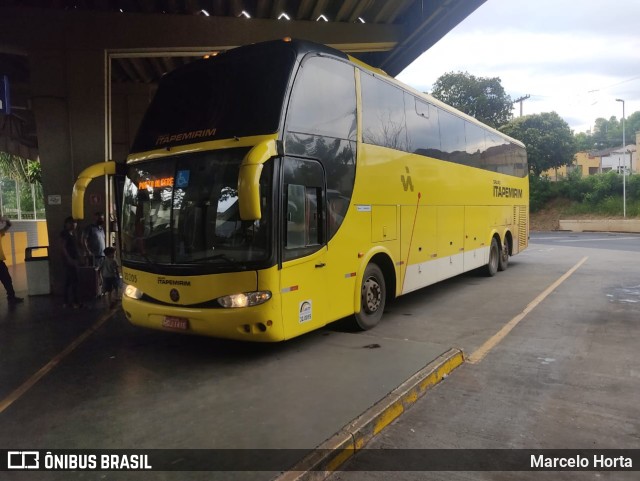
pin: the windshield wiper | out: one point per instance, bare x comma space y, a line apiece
223, 257
146, 258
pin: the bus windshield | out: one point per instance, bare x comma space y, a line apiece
183, 210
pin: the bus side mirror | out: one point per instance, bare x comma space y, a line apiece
249, 179
249, 191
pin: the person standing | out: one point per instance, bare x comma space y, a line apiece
71, 260
5, 277
94, 240
110, 272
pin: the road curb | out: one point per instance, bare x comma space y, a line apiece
330, 455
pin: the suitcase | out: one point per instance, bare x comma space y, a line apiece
88, 284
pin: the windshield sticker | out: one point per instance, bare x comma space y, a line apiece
182, 179
305, 311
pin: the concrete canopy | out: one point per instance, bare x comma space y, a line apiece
82, 72
152, 37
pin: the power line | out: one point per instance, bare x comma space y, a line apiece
615, 84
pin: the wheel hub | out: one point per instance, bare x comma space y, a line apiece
371, 295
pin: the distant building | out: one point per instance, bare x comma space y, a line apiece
590, 163
619, 159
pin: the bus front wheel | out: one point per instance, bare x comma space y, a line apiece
494, 258
373, 295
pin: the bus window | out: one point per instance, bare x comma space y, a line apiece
423, 131
454, 146
303, 227
475, 142
304, 207
520, 162
296, 222
383, 118
495, 157
324, 99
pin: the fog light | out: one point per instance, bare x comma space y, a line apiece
245, 299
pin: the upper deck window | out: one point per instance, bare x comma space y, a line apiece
324, 99
231, 95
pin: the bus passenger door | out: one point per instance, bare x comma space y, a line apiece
303, 278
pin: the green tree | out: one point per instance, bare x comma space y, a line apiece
18, 168
607, 133
480, 97
631, 126
548, 138
584, 142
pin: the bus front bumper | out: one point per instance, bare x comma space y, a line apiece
260, 323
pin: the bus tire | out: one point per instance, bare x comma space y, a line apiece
494, 258
503, 262
373, 294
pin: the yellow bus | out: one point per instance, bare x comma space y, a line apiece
278, 187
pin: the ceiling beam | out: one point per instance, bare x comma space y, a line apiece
88, 30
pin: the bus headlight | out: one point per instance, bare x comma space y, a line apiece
245, 299
132, 292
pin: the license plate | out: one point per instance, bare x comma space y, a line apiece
175, 323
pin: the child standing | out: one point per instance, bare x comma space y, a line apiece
110, 272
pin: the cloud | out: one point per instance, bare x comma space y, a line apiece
574, 58
584, 18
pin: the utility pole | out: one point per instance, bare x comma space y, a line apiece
624, 166
521, 99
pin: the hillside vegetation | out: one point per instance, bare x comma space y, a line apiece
593, 197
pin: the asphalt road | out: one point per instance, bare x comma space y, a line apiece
594, 240
566, 376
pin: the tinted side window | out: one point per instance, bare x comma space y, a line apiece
495, 157
454, 147
423, 131
324, 99
303, 207
513, 163
520, 160
475, 143
383, 117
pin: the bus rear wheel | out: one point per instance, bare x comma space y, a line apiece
503, 262
494, 258
373, 294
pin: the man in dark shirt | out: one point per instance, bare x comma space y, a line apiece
5, 277
71, 259
94, 239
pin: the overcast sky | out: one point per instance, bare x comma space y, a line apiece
574, 57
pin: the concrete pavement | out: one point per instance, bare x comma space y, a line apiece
123, 387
